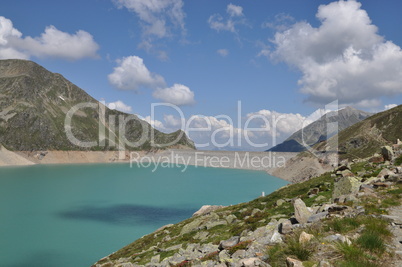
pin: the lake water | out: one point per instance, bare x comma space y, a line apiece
72, 215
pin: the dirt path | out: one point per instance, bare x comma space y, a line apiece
396, 229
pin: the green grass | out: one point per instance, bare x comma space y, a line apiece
343, 225
398, 160
372, 242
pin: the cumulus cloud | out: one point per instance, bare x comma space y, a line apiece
132, 74
178, 94
386, 107
159, 19
257, 130
223, 52
234, 11
51, 43
235, 17
344, 58
121, 106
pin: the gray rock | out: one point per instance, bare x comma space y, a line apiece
202, 235
346, 186
224, 256
280, 202
317, 217
207, 209
156, 259
286, 227
212, 224
231, 218
320, 199
301, 211
387, 152
233, 241
293, 263
239, 254
339, 238
252, 262
208, 248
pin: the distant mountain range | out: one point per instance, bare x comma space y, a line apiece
34, 103
321, 129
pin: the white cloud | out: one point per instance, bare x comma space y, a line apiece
263, 127
386, 107
223, 52
132, 74
235, 17
344, 58
159, 18
178, 94
119, 105
52, 43
234, 11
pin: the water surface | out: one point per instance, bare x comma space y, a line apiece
72, 215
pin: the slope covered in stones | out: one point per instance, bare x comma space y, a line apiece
365, 138
337, 219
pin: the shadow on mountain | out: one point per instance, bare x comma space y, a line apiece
127, 214
288, 146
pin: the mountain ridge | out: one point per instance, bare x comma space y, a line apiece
34, 103
318, 131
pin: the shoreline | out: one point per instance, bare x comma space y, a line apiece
242, 160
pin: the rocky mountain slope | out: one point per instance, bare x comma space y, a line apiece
34, 103
319, 131
337, 219
366, 137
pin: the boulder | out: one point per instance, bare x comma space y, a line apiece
338, 238
346, 186
320, 199
252, 262
302, 213
387, 152
286, 227
224, 256
347, 173
317, 217
305, 238
385, 173
293, 263
313, 191
233, 241
280, 202
206, 209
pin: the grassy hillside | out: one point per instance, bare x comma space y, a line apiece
33, 107
365, 138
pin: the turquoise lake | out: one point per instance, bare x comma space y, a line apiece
73, 215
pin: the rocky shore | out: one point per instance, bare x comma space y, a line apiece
347, 217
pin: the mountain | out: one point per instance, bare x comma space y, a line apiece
363, 139
318, 131
34, 104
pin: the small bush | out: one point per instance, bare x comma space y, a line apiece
302, 251
372, 242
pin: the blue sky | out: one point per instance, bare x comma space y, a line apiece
285, 57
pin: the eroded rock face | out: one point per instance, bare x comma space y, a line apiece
346, 186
